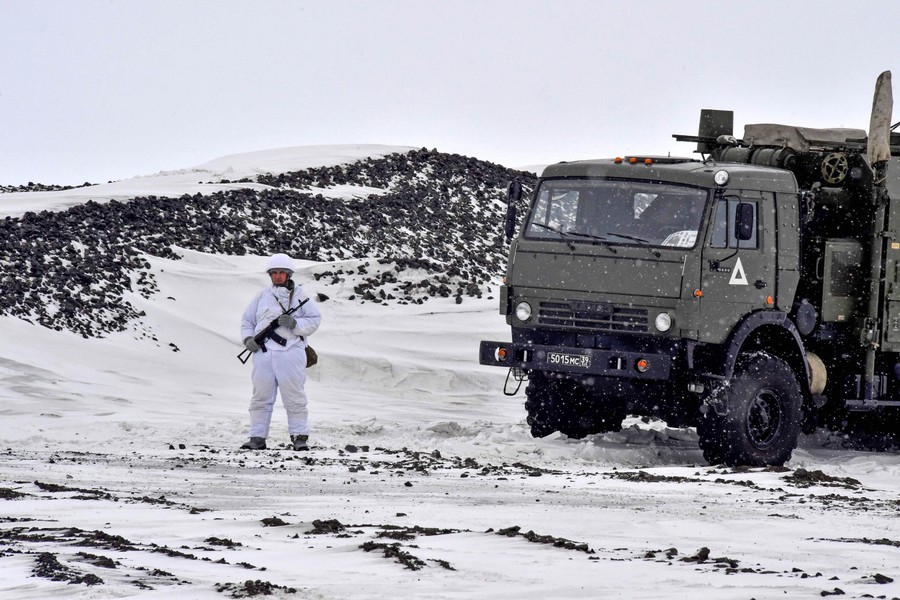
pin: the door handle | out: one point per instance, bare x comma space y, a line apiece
760, 284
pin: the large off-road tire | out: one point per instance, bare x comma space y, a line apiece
544, 400
763, 415
712, 441
539, 405
563, 405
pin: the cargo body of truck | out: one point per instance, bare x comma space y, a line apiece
750, 293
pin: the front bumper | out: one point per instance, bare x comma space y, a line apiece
586, 361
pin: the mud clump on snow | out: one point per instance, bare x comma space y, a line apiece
252, 588
97, 560
326, 526
273, 522
8, 494
47, 566
215, 541
803, 478
556, 542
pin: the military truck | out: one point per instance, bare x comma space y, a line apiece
750, 292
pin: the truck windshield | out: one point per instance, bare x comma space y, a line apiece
617, 212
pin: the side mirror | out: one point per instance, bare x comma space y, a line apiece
745, 223
513, 195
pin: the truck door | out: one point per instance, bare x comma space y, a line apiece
739, 262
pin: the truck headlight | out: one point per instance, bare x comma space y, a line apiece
663, 322
523, 311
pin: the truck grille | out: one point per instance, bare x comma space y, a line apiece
593, 316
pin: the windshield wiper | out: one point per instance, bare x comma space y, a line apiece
639, 240
563, 235
629, 237
603, 241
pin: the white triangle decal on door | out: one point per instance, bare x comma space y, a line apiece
738, 277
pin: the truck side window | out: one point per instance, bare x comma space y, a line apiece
726, 227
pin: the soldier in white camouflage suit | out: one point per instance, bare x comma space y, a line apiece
279, 367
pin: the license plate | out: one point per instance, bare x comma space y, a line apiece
569, 360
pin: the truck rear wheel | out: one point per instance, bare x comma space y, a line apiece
763, 416
565, 406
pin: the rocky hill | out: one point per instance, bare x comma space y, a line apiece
431, 226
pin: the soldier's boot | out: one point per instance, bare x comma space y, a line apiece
254, 443
300, 442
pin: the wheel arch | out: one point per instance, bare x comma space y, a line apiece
772, 332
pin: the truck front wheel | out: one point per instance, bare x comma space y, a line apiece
762, 420
541, 404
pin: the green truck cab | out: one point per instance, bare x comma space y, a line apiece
750, 293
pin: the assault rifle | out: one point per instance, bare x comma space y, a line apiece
268, 334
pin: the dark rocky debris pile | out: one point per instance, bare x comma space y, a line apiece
39, 187
434, 228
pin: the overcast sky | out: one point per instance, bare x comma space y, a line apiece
95, 90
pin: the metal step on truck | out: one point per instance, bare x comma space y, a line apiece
753, 292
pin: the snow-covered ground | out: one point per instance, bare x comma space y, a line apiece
119, 463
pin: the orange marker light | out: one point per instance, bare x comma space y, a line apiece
642, 365
698, 293
618, 160
500, 354
633, 160
770, 300
648, 161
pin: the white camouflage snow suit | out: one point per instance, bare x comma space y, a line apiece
281, 367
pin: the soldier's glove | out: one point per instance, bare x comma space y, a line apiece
287, 321
251, 345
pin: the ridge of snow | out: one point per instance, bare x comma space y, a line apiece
205, 178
